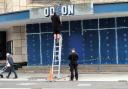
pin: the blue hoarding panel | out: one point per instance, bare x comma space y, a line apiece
47, 48
65, 48
90, 47
46, 27
33, 45
108, 47
87, 45
90, 24
107, 23
122, 22
75, 39
32, 28
123, 45
65, 26
75, 26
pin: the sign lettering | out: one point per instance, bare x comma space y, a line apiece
65, 10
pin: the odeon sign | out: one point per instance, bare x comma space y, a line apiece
61, 10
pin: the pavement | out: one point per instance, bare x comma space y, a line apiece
97, 76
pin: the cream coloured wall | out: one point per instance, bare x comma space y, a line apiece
97, 1
108, 1
15, 5
17, 34
2, 6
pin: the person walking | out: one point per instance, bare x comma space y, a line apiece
73, 57
10, 65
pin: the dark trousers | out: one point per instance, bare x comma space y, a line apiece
11, 69
73, 67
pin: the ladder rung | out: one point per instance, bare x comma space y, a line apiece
58, 46
56, 60
55, 65
56, 51
55, 70
56, 55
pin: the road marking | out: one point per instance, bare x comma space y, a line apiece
15, 88
84, 85
56, 88
26, 84
37, 79
13, 80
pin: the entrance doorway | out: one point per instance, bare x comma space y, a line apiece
2, 45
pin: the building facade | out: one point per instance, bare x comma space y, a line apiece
98, 32
18, 5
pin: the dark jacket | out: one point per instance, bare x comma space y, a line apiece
56, 23
73, 57
10, 60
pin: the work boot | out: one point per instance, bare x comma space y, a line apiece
1, 75
15, 77
7, 77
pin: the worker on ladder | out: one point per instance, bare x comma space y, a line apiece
57, 46
56, 23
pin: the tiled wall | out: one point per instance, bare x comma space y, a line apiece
18, 35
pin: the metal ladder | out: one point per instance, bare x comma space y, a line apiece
56, 62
